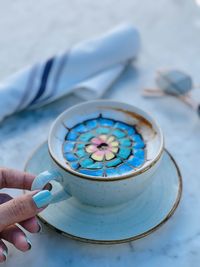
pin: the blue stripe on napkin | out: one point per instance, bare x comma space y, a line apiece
44, 80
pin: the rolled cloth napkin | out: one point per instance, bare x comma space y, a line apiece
87, 70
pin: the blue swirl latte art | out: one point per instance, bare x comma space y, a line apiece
104, 147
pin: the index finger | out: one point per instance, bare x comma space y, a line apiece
15, 179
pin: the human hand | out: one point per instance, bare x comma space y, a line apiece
20, 210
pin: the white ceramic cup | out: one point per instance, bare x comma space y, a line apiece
94, 190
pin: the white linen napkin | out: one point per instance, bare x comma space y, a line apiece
87, 69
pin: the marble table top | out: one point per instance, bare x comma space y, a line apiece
170, 31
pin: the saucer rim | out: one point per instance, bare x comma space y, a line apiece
133, 238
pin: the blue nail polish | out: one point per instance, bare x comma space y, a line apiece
42, 198
40, 227
29, 243
5, 254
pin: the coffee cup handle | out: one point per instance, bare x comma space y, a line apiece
58, 193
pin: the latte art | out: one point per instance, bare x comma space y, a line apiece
104, 147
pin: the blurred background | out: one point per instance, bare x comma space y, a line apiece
31, 31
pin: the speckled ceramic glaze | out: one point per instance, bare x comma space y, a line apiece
104, 152
129, 221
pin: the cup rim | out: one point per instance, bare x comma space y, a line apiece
111, 178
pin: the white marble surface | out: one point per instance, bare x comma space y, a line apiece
170, 31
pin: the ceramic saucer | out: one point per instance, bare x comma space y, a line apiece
123, 223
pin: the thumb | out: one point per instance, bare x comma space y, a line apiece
23, 207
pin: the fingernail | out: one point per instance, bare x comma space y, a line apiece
5, 254
29, 243
42, 198
39, 228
